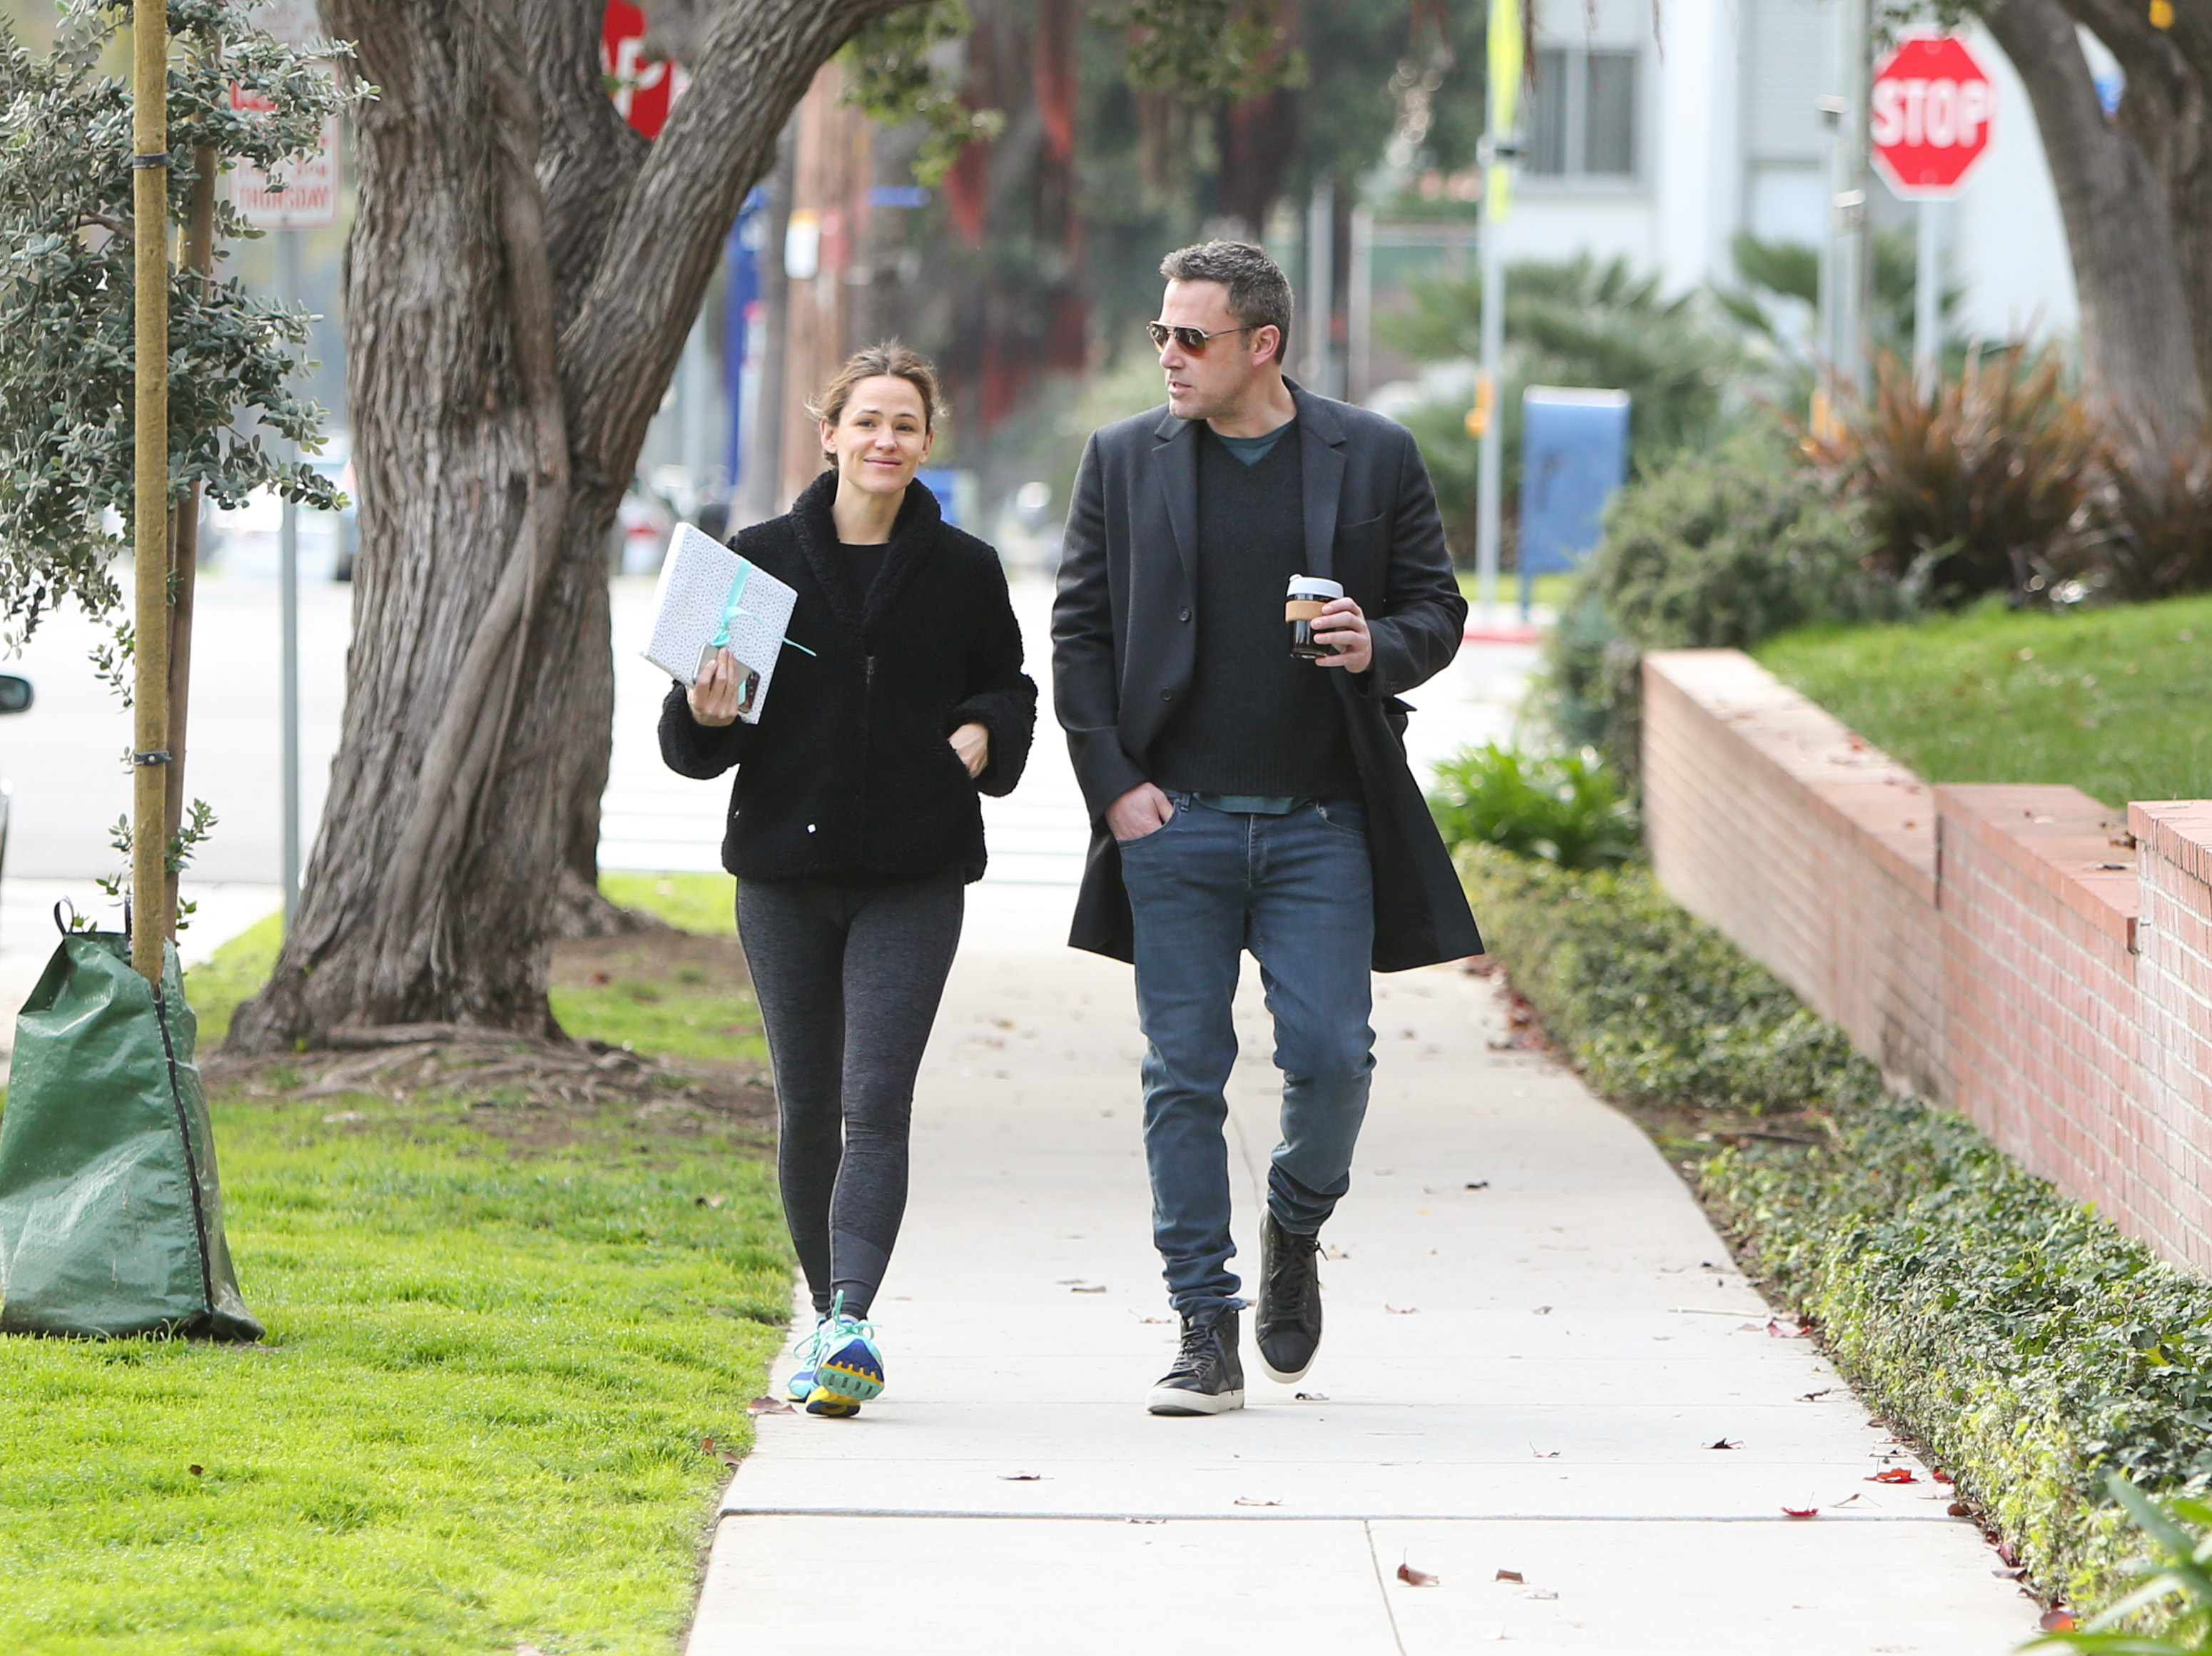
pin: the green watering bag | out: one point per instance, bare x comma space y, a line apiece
111, 1217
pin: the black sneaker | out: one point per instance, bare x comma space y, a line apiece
1287, 1330
1208, 1378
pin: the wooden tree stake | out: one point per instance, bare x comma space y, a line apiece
150, 130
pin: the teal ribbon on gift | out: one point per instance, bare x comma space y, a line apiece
733, 606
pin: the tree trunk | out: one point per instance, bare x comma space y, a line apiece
2167, 109
2138, 355
522, 275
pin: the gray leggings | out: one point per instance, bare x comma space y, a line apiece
848, 978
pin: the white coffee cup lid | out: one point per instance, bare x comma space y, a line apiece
1313, 586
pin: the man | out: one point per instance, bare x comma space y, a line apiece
1241, 798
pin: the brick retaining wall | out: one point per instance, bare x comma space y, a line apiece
2019, 952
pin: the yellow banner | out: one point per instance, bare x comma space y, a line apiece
1507, 49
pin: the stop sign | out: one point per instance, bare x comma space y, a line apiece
1933, 107
642, 90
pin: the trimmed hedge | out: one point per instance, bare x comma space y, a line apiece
2023, 1339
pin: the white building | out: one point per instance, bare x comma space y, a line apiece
1659, 131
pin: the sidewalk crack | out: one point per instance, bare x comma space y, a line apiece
1382, 1587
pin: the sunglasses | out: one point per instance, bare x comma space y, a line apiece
1193, 340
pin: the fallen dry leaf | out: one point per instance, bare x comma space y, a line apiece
1413, 1577
1776, 1328
1088, 1288
1543, 1454
1542, 1310
1814, 1397
197, 1470
1941, 1477
1254, 1501
2009, 1571
723, 1455
1801, 1512
1021, 1478
767, 1407
1313, 1396
1478, 1183
1959, 1509
1508, 1575
1894, 1475
2057, 1619
1723, 1443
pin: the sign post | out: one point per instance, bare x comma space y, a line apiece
1485, 419
306, 197
1933, 110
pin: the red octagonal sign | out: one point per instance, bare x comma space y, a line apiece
1933, 109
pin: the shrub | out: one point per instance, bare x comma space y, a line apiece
1566, 809
1717, 550
1986, 487
2161, 540
1654, 1004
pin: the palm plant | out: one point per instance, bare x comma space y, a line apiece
1566, 809
1571, 323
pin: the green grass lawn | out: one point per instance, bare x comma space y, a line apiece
497, 1334
2114, 701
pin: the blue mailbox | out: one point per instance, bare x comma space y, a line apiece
1574, 454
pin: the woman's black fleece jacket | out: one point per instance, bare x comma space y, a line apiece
848, 774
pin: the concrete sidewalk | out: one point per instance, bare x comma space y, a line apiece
1535, 1345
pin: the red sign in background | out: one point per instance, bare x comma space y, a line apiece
643, 91
1933, 109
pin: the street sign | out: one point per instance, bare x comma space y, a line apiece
311, 186
304, 196
1934, 106
643, 92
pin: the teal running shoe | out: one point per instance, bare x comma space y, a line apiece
848, 1368
806, 1355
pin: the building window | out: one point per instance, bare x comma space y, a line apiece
1581, 117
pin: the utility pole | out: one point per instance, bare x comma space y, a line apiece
1843, 275
288, 591
1321, 284
1499, 149
149, 528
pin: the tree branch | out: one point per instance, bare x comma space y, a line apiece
756, 60
588, 157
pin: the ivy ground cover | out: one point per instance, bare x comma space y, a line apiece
2027, 1345
498, 1334
2110, 701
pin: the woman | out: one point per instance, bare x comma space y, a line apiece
854, 824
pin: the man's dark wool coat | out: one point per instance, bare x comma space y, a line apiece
849, 773
1123, 645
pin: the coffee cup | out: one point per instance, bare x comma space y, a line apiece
1308, 595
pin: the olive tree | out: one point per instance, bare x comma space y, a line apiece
66, 294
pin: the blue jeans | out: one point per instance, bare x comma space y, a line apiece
1295, 889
